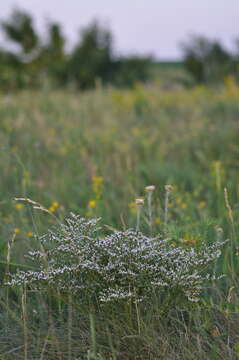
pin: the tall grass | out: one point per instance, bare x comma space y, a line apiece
93, 154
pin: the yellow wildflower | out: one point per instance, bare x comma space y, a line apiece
157, 221
184, 206
92, 204
30, 234
97, 186
97, 179
178, 200
52, 209
19, 206
201, 204
17, 231
55, 204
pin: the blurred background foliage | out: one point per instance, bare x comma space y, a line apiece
29, 60
36, 62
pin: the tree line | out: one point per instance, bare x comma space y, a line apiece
208, 61
34, 61
30, 60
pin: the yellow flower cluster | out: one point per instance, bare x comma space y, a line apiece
18, 231
184, 206
54, 206
97, 186
157, 221
19, 206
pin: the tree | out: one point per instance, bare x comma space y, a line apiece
53, 55
129, 70
92, 58
20, 30
10, 68
205, 60
23, 61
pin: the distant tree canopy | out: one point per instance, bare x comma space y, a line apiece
36, 61
33, 61
19, 29
92, 57
207, 61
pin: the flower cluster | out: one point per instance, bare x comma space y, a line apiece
76, 257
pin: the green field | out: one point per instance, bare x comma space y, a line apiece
93, 154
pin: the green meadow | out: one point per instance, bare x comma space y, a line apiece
93, 154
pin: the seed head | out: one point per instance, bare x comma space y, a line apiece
149, 188
139, 202
168, 188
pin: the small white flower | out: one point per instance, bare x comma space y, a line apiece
168, 188
139, 202
149, 188
86, 263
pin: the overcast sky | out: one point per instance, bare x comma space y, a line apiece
139, 26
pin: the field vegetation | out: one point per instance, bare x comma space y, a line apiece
94, 153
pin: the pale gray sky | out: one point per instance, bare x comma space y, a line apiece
139, 26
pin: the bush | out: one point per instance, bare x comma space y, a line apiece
124, 265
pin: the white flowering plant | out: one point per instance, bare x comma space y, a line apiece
77, 258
